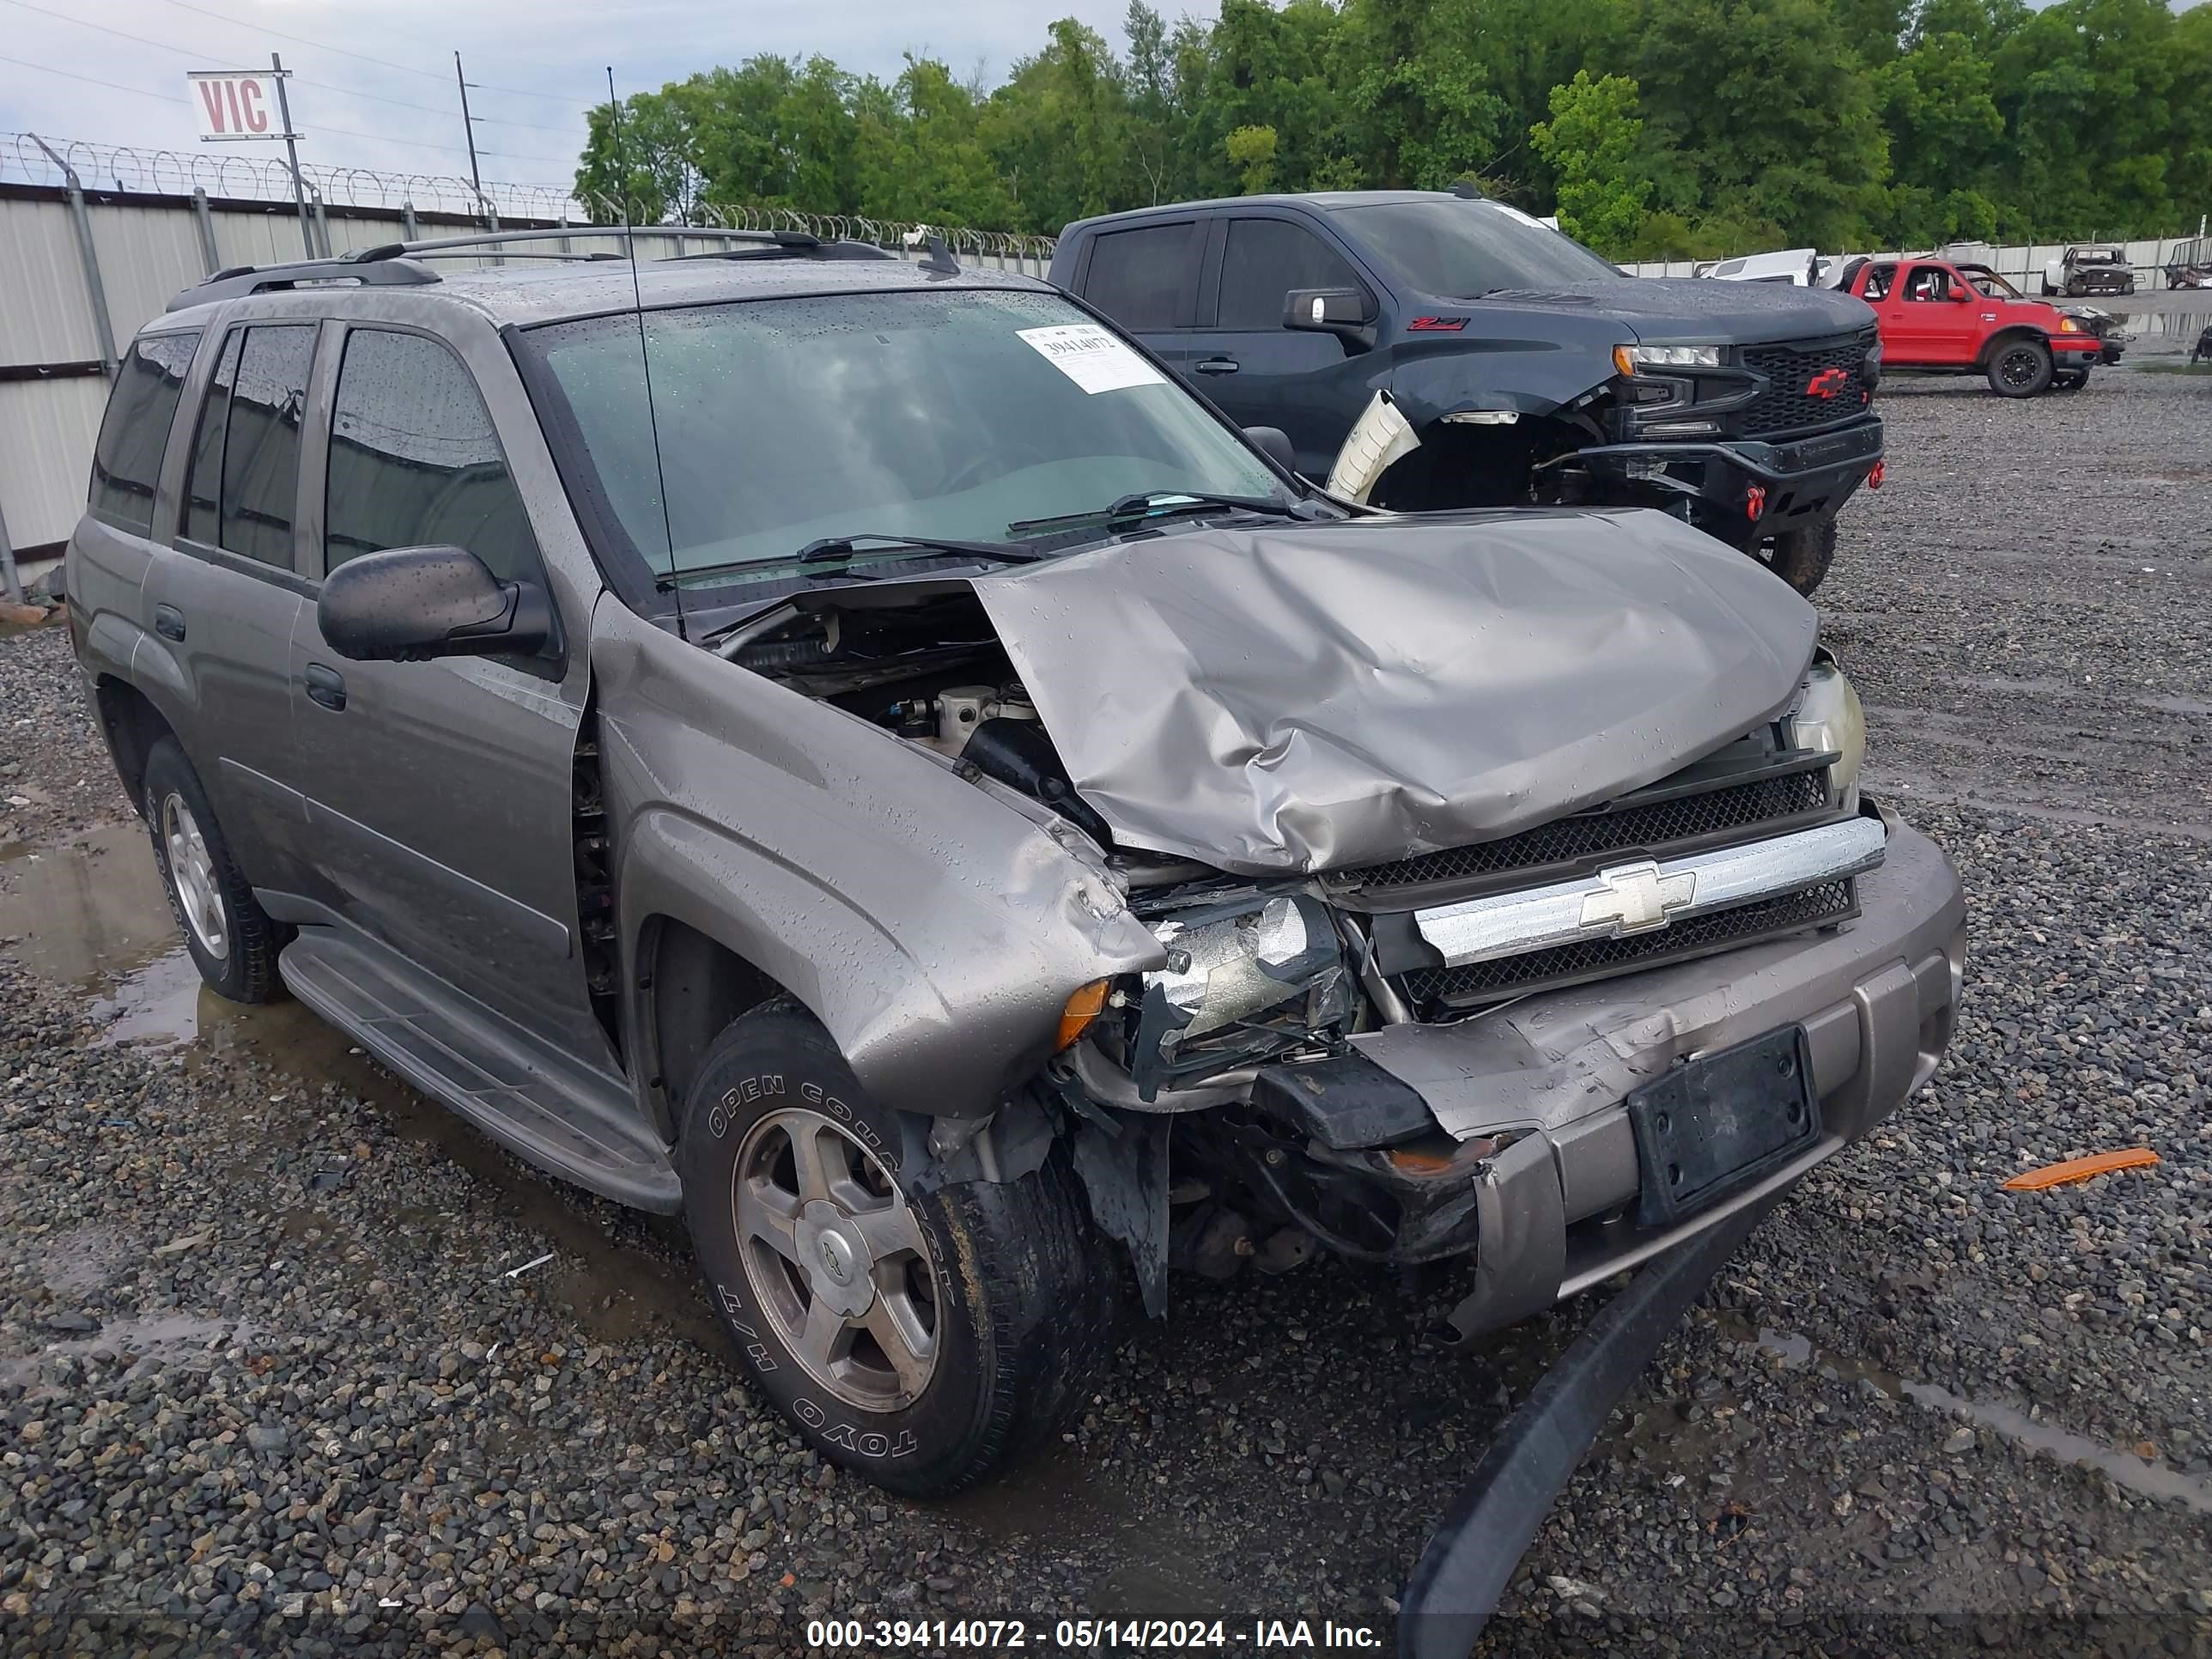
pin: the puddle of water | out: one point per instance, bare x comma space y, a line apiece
140, 1340
2148, 1477
1059, 1506
91, 907
92, 913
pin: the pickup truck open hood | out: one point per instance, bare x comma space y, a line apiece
1305, 696
1686, 311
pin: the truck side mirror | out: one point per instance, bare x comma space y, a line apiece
412, 603
1963, 296
1347, 312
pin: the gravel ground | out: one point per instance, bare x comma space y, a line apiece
271, 1382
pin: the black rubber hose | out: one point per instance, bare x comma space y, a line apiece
1471, 1555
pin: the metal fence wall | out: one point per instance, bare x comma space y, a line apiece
55, 356
2023, 265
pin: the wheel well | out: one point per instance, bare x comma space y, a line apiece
133, 727
1464, 465
695, 986
2020, 331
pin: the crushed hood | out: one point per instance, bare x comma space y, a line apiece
1301, 697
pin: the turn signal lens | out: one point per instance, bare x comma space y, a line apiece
1623, 360
1084, 1007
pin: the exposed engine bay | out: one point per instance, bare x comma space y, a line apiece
1240, 1047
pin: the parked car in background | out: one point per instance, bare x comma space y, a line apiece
1529, 370
2091, 268
934, 777
1802, 267
1936, 319
2109, 327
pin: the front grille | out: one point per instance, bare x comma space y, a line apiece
1789, 404
1435, 991
1631, 828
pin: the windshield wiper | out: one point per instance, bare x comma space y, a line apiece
828, 547
834, 547
1160, 504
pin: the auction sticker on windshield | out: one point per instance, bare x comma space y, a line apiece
1091, 357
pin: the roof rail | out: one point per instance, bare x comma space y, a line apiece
240, 280
397, 263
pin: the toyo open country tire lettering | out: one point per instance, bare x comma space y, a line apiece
232, 941
921, 1340
2019, 368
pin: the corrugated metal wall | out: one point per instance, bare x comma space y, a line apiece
149, 247
2023, 265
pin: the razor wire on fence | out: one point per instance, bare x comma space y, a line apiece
129, 170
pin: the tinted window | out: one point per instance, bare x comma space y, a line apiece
245, 452
1877, 283
127, 459
1136, 277
1463, 250
204, 489
414, 460
1265, 260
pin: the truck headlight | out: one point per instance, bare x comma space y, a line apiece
1219, 972
1829, 719
1630, 358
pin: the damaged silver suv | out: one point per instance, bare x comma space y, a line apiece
851, 751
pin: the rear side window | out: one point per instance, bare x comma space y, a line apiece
127, 460
1136, 277
1265, 260
245, 479
414, 460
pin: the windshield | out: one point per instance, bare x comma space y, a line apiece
958, 413
1990, 283
1462, 250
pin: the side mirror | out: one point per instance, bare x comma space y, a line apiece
1963, 296
412, 603
1347, 312
1275, 444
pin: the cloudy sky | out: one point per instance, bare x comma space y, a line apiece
374, 79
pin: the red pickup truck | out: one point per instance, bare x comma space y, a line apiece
1936, 319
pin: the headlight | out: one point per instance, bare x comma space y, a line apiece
1628, 359
1223, 971
2068, 325
1830, 718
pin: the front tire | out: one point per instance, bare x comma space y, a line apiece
921, 1340
2021, 368
1801, 557
233, 942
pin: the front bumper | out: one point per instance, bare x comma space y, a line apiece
1740, 488
1555, 1209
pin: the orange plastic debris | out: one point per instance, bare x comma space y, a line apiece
2081, 1169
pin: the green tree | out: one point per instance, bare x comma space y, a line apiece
1595, 143
1252, 153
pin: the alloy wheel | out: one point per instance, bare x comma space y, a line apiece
192, 873
835, 1256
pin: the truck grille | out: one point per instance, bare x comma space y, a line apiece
1437, 992
1628, 826
1791, 404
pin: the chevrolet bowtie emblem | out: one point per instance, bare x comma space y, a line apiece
1637, 898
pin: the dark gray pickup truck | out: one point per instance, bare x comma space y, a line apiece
852, 752
1529, 369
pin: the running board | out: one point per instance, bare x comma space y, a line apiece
570, 1121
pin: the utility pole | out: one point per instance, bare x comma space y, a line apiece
292, 151
469, 126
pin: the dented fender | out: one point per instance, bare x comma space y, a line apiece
933, 929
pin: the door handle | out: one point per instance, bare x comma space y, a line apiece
169, 622
326, 686
1217, 366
